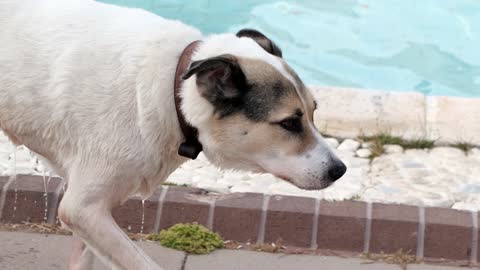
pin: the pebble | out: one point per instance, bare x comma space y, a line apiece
366, 145
467, 206
349, 145
364, 153
332, 142
213, 187
475, 152
447, 152
392, 149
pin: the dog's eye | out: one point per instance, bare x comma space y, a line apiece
292, 124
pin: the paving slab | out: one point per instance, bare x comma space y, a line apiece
248, 260
30, 251
435, 267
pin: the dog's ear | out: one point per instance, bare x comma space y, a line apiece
262, 40
218, 78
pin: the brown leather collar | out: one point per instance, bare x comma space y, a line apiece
191, 147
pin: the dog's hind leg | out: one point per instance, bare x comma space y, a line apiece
81, 257
86, 210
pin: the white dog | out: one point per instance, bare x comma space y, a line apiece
90, 87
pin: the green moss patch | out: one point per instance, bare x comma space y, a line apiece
191, 237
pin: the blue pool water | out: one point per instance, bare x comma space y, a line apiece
429, 46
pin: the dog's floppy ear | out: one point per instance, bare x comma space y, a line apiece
262, 40
218, 78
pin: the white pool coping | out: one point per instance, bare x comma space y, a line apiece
348, 113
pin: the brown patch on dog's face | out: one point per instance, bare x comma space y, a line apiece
266, 125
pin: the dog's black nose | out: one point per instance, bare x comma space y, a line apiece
337, 171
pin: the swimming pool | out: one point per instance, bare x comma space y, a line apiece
427, 46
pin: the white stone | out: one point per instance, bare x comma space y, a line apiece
213, 187
20, 170
453, 119
475, 152
332, 142
442, 177
347, 112
447, 152
4, 157
466, 206
349, 145
230, 182
364, 153
180, 181
366, 144
353, 162
21, 154
344, 154
465, 191
392, 149
244, 187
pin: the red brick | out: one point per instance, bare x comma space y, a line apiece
28, 202
237, 216
341, 225
290, 219
448, 234
478, 238
181, 206
129, 215
394, 227
3, 181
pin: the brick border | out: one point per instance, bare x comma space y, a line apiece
432, 233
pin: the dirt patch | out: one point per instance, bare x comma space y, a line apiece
42, 228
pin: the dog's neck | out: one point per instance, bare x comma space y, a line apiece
191, 147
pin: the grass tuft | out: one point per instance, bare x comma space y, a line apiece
464, 146
173, 184
192, 238
418, 144
355, 197
377, 143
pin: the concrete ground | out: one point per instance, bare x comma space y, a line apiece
29, 251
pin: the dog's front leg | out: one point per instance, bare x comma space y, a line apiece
81, 258
86, 210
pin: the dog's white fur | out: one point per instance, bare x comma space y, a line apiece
76, 72
89, 87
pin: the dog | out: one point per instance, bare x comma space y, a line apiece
90, 88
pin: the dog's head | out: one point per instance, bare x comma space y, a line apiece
254, 113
